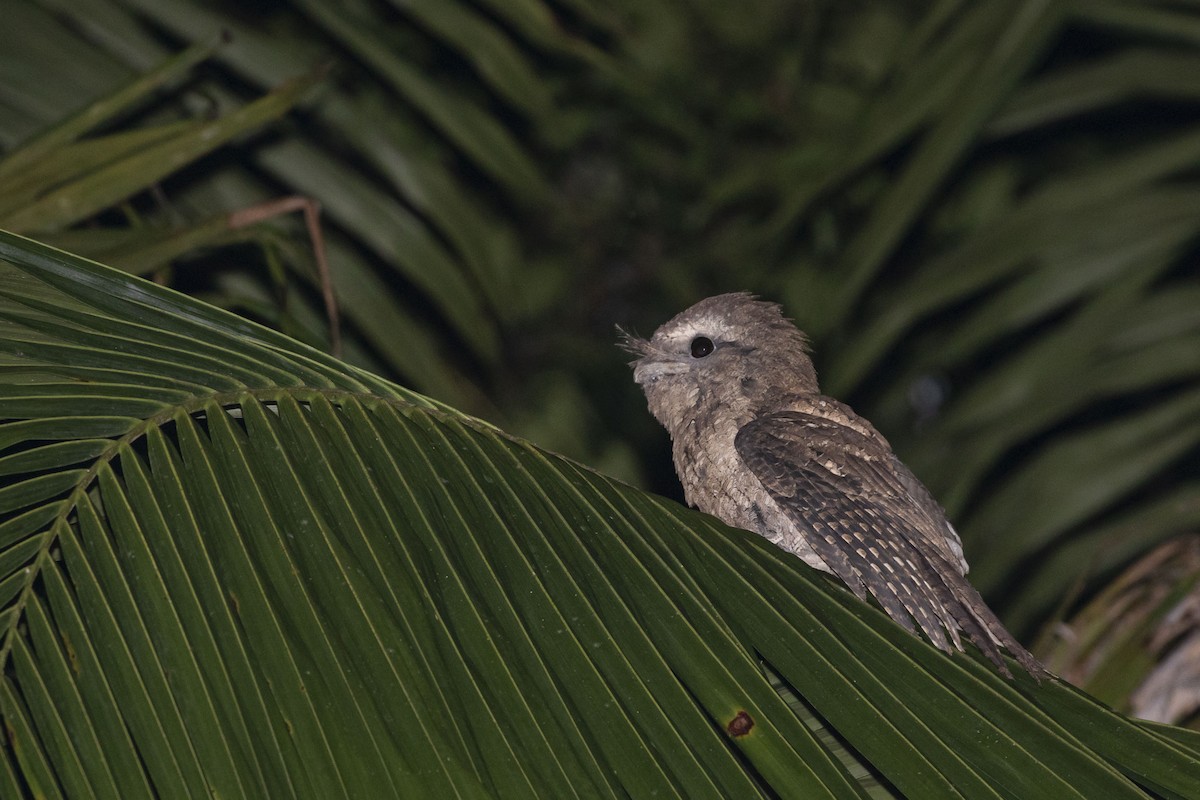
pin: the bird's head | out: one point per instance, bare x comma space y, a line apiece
732, 350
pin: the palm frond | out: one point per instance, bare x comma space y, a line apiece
233, 565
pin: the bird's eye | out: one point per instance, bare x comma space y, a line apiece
701, 346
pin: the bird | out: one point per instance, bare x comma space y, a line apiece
756, 444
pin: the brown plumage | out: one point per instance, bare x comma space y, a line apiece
756, 444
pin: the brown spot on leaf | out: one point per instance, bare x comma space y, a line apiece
740, 725
72, 656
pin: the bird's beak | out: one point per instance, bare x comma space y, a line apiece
650, 368
650, 364
644, 371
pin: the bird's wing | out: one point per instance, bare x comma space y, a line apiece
949, 543
838, 486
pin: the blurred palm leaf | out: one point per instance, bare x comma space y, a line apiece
1137, 643
56, 181
234, 566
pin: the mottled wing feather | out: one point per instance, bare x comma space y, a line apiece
840, 489
949, 543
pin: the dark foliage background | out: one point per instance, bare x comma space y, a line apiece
985, 215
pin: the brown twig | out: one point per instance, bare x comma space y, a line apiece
253, 215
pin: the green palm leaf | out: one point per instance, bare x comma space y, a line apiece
231, 565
